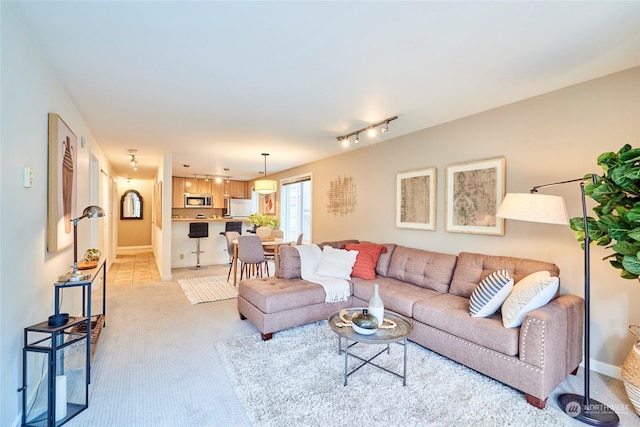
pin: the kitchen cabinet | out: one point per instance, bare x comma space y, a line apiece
238, 189
198, 186
218, 196
177, 192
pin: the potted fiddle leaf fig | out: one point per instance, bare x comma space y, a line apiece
617, 221
617, 226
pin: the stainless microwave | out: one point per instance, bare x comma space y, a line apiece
198, 200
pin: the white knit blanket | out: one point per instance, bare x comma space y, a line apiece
335, 290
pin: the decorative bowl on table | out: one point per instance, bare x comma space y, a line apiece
364, 323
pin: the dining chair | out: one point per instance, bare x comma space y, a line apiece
251, 256
270, 251
299, 241
231, 236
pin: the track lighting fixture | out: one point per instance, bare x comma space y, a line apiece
371, 130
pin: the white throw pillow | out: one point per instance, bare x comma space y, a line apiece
336, 263
527, 295
490, 293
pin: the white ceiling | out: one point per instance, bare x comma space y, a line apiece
219, 83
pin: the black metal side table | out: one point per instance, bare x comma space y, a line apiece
55, 373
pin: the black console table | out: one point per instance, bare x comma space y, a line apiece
98, 320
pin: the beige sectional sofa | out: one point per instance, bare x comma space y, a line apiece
433, 289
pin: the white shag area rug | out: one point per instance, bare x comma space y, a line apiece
207, 289
297, 377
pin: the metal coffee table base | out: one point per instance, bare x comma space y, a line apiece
369, 361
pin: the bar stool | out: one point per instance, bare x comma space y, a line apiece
232, 226
198, 230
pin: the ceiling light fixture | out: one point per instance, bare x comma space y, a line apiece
134, 163
371, 130
265, 186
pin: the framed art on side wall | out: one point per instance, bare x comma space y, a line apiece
62, 184
270, 204
416, 199
474, 193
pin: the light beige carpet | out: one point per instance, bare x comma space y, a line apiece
207, 289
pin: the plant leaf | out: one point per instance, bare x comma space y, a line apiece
631, 264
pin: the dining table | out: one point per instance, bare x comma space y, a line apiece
269, 242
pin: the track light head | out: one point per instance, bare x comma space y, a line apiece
357, 138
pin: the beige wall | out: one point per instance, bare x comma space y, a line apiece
136, 232
549, 138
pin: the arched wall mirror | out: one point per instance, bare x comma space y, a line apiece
131, 205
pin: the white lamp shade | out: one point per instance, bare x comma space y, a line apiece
534, 207
265, 186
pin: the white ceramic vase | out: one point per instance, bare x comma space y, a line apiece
376, 307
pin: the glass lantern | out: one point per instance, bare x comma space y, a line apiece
54, 373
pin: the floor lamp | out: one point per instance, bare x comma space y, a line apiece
552, 210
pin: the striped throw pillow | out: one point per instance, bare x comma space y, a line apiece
490, 293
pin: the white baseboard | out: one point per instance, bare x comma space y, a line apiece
605, 369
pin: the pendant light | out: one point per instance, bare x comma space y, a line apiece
265, 186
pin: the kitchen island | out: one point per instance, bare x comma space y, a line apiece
213, 248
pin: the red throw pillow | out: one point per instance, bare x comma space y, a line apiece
367, 259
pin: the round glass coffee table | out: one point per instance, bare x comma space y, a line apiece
396, 329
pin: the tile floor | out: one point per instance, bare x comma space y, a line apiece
133, 266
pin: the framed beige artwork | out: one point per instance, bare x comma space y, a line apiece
474, 193
416, 199
270, 204
63, 178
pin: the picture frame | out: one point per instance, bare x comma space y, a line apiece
270, 204
159, 205
474, 193
416, 199
62, 185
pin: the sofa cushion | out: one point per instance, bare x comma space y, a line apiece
450, 313
336, 263
288, 265
472, 268
431, 270
273, 294
490, 293
338, 244
530, 293
382, 268
396, 295
367, 259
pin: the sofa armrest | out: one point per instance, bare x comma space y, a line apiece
551, 336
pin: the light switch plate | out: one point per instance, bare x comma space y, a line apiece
27, 177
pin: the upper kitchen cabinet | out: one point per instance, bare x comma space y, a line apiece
177, 192
198, 185
238, 189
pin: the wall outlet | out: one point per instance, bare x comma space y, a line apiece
181, 256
